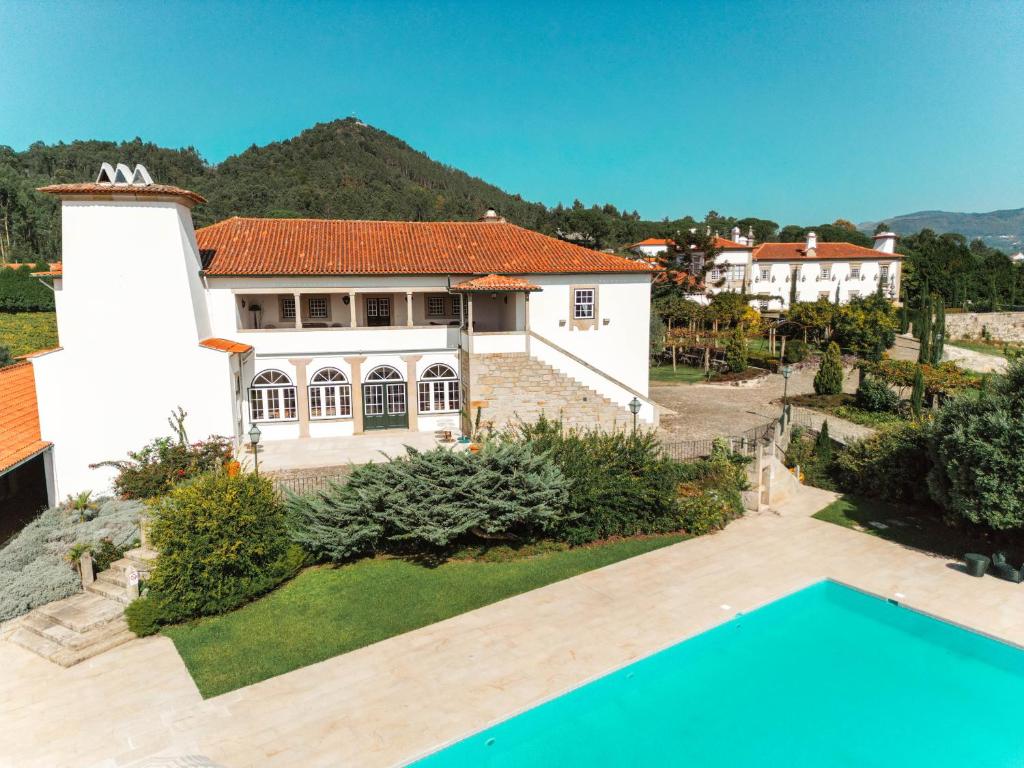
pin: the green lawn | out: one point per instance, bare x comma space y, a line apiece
683, 374
921, 528
24, 332
988, 348
326, 611
842, 406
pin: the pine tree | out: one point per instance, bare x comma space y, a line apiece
917, 393
829, 378
823, 444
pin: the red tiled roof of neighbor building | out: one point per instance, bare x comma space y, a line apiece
822, 252
20, 438
104, 189
56, 270
268, 247
225, 345
496, 283
653, 241
729, 245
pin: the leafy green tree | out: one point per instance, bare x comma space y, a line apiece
829, 378
5, 357
978, 470
736, 351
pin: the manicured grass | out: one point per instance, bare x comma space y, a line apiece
996, 348
24, 332
326, 611
842, 406
920, 527
684, 374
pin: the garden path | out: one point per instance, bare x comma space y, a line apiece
391, 702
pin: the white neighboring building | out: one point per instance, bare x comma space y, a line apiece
652, 247
313, 328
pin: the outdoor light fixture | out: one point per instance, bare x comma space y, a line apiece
254, 441
634, 408
787, 371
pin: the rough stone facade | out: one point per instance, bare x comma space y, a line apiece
514, 386
1001, 326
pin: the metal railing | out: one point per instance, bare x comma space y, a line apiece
306, 484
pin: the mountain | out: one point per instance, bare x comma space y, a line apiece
997, 229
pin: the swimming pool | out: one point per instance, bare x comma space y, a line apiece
828, 676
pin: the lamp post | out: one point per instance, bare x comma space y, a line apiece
634, 408
787, 371
254, 441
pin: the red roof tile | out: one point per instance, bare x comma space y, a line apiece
225, 345
56, 270
823, 252
128, 190
496, 283
653, 241
264, 247
20, 438
729, 245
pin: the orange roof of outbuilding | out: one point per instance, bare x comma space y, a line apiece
496, 283
729, 245
56, 270
225, 345
653, 241
102, 189
822, 252
20, 437
268, 247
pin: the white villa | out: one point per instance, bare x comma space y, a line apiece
315, 328
821, 270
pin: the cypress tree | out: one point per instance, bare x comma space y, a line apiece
792, 288
736, 351
823, 443
904, 312
917, 393
837, 295
938, 332
829, 378
925, 331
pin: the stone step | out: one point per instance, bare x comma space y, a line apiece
92, 644
81, 612
45, 627
32, 641
109, 591
114, 578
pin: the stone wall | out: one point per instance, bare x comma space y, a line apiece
1001, 326
514, 386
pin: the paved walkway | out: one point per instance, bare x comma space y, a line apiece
339, 451
391, 702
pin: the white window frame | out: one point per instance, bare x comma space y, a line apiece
457, 305
716, 273
737, 272
331, 394
272, 391
883, 273
825, 272
438, 390
584, 303
766, 273
374, 303
288, 307
855, 272
435, 306
318, 302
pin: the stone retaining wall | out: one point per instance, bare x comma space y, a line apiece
1001, 326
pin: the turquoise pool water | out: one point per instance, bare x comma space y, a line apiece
825, 677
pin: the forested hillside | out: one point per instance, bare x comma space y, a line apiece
997, 229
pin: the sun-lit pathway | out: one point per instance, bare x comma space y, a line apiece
391, 702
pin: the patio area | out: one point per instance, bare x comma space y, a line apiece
317, 452
389, 703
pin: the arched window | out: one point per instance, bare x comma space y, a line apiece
439, 390
330, 395
384, 373
271, 397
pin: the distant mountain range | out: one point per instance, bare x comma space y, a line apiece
997, 229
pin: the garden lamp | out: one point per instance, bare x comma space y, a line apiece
787, 371
634, 408
254, 441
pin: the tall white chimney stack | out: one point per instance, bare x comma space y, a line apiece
885, 242
735, 234
812, 241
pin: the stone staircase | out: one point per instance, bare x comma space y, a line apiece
515, 386
79, 627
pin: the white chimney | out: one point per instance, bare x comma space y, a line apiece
812, 241
885, 242
491, 215
735, 234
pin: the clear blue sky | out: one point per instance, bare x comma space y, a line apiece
801, 112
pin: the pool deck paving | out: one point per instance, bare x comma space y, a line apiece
399, 699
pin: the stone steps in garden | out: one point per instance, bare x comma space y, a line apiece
73, 629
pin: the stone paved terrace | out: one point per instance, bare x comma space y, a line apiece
389, 703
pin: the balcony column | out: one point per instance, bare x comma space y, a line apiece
526, 319
353, 314
469, 319
301, 393
356, 364
298, 309
412, 405
408, 308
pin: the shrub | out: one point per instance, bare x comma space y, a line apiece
221, 541
430, 500
34, 567
978, 470
829, 378
158, 467
20, 292
889, 464
736, 351
796, 351
710, 498
875, 395
144, 616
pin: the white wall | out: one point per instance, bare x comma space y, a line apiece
811, 285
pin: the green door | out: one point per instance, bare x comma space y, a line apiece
385, 400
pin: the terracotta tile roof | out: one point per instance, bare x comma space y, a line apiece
130, 190
823, 252
225, 345
20, 438
256, 247
496, 283
20, 264
653, 241
56, 270
729, 245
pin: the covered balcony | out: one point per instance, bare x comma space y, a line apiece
413, 308
497, 317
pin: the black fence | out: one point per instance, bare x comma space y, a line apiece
307, 483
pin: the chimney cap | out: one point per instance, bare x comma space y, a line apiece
881, 235
491, 215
